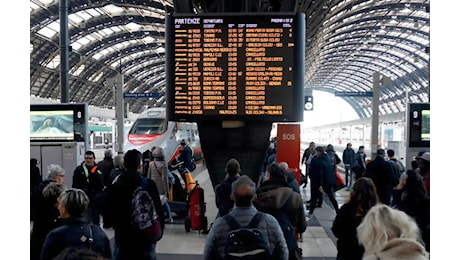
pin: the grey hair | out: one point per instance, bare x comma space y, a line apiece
75, 202
118, 161
382, 224
243, 181
108, 153
53, 190
54, 170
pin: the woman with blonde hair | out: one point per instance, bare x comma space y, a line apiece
388, 233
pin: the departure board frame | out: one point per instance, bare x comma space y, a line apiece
235, 66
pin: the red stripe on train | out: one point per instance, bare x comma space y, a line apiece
142, 139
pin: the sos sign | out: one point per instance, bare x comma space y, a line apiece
288, 147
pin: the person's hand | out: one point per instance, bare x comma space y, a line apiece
402, 182
321, 189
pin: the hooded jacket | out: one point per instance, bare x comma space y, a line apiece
271, 196
400, 248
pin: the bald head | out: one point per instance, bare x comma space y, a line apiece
243, 191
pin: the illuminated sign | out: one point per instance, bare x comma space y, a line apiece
246, 66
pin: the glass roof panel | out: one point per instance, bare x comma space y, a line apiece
78, 70
47, 32
96, 77
54, 63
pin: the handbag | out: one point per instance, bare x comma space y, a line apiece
339, 183
358, 170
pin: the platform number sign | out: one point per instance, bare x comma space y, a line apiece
308, 103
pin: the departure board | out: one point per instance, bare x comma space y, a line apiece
245, 66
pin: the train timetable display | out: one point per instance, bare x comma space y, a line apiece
247, 66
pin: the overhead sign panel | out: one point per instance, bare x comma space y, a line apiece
235, 66
141, 95
353, 94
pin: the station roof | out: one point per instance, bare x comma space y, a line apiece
346, 42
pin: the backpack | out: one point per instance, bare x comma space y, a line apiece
287, 228
246, 242
144, 217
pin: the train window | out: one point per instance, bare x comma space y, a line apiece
149, 126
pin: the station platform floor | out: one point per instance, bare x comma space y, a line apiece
318, 242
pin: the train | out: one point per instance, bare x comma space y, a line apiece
151, 128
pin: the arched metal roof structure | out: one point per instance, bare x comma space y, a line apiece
346, 42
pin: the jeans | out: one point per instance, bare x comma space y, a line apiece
168, 209
146, 253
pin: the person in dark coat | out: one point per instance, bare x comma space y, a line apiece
35, 176
348, 159
322, 176
383, 175
224, 189
274, 193
362, 198
290, 177
55, 174
88, 177
75, 231
47, 217
106, 166
186, 155
411, 197
128, 242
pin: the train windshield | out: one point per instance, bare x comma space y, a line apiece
149, 126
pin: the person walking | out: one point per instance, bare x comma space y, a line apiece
129, 242
362, 198
75, 231
223, 190
276, 197
322, 179
88, 177
348, 159
243, 193
383, 175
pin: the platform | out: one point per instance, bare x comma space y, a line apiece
318, 242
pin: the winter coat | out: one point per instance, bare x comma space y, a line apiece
119, 197
322, 173
223, 191
382, 174
75, 232
400, 248
271, 196
186, 157
106, 166
291, 179
348, 157
344, 228
91, 185
46, 218
158, 172
217, 236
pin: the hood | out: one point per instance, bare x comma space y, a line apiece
270, 199
402, 248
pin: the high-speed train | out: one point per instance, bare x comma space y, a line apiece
152, 129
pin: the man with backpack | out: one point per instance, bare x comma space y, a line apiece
245, 233
276, 197
134, 205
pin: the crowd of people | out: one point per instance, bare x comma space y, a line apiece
67, 220
116, 190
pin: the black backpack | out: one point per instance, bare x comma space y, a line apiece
246, 242
288, 230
